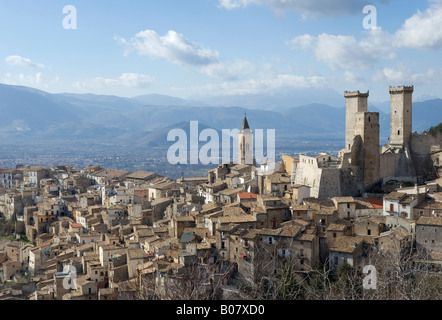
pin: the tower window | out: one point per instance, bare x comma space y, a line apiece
399, 132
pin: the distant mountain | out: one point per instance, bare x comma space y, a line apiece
426, 114
165, 100
29, 115
280, 100
23, 109
158, 138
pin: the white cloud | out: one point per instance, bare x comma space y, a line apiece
423, 30
38, 80
341, 51
228, 71
21, 61
265, 85
134, 80
307, 8
173, 47
403, 74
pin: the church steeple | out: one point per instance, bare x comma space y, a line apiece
245, 143
245, 123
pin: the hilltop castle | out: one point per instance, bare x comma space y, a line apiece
363, 165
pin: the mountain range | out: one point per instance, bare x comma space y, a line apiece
29, 115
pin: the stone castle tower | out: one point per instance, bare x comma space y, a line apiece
354, 102
396, 155
367, 127
245, 143
362, 137
401, 115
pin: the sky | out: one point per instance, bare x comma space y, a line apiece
197, 48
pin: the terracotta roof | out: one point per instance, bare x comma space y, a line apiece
141, 175
395, 195
45, 244
377, 204
346, 244
247, 195
231, 191
236, 219
336, 227
429, 204
344, 199
186, 218
407, 200
433, 221
232, 211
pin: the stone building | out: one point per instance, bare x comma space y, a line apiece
363, 165
429, 233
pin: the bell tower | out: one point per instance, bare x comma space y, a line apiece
245, 143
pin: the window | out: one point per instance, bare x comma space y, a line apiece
369, 232
269, 240
336, 261
334, 234
223, 245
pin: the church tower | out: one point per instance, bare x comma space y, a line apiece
245, 143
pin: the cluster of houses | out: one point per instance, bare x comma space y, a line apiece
95, 233
105, 234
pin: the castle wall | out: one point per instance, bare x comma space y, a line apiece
309, 174
351, 181
388, 164
330, 183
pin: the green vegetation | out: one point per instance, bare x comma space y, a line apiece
434, 130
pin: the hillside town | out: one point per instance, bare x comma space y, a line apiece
96, 233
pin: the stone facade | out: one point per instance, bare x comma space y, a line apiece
363, 165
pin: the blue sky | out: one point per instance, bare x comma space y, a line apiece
217, 47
